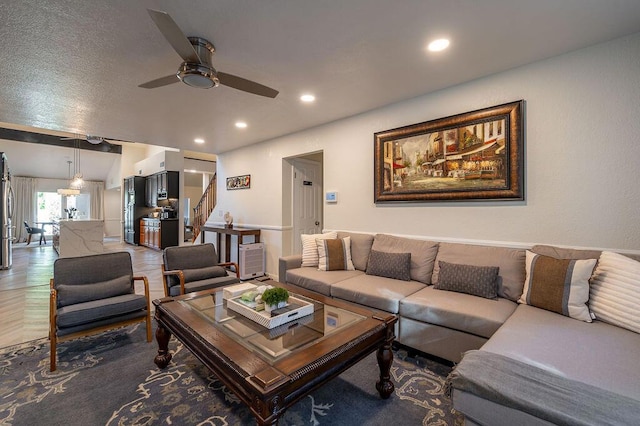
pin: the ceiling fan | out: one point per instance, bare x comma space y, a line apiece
93, 140
197, 69
105, 144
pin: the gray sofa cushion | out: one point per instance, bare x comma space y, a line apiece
87, 312
319, 281
92, 269
423, 253
203, 273
78, 293
188, 257
390, 265
376, 292
475, 280
204, 284
596, 353
458, 311
360, 248
511, 262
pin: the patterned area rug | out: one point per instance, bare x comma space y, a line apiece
110, 379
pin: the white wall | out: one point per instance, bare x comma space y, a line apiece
581, 152
113, 211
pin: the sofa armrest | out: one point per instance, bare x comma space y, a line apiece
288, 262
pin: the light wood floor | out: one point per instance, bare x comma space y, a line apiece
24, 289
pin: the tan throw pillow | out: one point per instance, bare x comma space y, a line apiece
479, 281
389, 265
558, 285
334, 255
310, 249
615, 291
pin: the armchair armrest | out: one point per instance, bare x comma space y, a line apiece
177, 272
288, 262
53, 308
145, 282
235, 266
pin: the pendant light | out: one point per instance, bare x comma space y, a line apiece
77, 182
69, 192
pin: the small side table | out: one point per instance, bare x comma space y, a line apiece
228, 232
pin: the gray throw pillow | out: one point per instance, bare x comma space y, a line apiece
389, 265
191, 275
79, 293
475, 280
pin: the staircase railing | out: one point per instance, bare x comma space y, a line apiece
202, 211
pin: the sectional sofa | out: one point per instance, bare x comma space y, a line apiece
487, 308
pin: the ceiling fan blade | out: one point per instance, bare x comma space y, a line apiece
246, 85
159, 82
174, 35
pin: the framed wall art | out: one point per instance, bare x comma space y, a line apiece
239, 182
477, 155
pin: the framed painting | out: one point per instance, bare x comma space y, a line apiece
239, 182
477, 155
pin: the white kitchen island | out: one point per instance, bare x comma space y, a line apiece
79, 237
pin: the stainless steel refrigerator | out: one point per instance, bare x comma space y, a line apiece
6, 213
134, 208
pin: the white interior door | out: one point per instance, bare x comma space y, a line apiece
306, 199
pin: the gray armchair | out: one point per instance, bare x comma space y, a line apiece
190, 268
91, 294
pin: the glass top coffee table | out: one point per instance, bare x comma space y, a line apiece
271, 369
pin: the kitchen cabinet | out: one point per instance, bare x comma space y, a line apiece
168, 185
151, 191
161, 186
159, 234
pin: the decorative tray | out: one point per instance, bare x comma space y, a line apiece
265, 319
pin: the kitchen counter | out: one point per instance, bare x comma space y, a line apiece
79, 237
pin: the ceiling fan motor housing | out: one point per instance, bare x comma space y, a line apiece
200, 75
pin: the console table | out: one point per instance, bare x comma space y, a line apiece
228, 232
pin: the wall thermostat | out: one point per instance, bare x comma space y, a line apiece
331, 197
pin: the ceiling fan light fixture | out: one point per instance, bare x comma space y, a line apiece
94, 140
198, 76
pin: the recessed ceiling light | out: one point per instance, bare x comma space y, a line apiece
241, 125
438, 45
198, 140
307, 98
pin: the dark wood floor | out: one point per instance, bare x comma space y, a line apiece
24, 289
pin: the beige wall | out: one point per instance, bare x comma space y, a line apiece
581, 150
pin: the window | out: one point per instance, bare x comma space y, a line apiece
51, 206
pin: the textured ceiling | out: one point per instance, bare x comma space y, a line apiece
75, 65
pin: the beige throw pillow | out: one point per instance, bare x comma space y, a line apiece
558, 285
334, 255
310, 249
615, 291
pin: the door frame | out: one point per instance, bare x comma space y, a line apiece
288, 199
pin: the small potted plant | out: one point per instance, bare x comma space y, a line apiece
275, 298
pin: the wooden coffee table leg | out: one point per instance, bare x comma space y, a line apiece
162, 336
385, 386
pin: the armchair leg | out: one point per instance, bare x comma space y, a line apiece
29, 239
149, 336
52, 361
